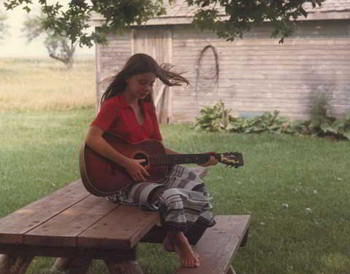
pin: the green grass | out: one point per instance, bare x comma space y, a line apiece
38, 153
295, 188
297, 191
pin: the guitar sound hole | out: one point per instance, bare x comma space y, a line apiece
141, 156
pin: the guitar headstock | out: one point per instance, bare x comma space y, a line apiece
232, 159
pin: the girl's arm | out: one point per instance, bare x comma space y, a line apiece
95, 141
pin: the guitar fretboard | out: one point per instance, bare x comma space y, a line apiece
175, 159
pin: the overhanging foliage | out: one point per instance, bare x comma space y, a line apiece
72, 20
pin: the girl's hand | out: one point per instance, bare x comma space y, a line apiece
211, 162
137, 172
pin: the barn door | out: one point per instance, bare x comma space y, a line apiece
156, 42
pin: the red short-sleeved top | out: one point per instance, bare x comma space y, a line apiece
118, 117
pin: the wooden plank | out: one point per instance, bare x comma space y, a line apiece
63, 229
218, 245
122, 228
67, 252
16, 224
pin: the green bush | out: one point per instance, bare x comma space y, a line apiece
214, 118
218, 118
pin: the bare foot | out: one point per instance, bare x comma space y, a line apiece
169, 246
196, 254
188, 258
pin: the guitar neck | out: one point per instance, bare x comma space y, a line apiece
175, 159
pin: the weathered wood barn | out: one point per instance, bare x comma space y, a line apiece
250, 75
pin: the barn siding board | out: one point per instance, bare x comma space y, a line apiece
256, 74
110, 59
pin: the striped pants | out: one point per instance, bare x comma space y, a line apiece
181, 199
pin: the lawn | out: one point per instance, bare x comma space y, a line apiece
295, 188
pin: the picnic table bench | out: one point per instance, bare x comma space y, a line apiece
76, 227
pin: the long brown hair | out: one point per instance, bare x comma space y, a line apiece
138, 64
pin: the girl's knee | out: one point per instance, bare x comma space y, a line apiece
171, 198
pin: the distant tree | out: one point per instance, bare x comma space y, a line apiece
3, 26
59, 47
73, 20
229, 19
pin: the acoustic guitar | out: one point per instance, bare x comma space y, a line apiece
102, 177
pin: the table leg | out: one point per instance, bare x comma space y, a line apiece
245, 238
12, 264
126, 267
72, 265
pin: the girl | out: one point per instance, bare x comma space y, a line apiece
127, 110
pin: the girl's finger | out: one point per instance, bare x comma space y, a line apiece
145, 172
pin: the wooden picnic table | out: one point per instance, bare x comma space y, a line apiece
73, 224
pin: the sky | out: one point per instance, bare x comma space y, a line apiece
14, 43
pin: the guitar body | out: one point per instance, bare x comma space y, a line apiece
102, 177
